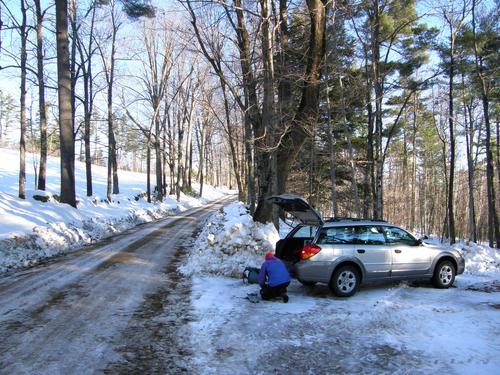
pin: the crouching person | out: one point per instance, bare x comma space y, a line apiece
273, 279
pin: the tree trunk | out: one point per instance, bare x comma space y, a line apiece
189, 153
65, 110
164, 151
378, 85
231, 136
41, 97
451, 179
284, 67
446, 223
249, 163
498, 148
253, 119
86, 133
306, 115
493, 227
112, 183
333, 177
188, 118
202, 157
158, 156
88, 105
469, 144
414, 164
22, 115
265, 140
370, 168
74, 78
180, 140
347, 135
148, 170
404, 185
171, 153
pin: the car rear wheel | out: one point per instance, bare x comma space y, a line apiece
444, 275
345, 281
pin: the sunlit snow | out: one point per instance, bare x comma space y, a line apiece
396, 329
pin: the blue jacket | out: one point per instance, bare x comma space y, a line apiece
274, 272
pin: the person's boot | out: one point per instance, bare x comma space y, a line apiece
285, 298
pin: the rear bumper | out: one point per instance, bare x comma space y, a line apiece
313, 271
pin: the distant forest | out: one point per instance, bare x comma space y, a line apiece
385, 109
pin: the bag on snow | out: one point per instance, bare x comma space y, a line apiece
251, 275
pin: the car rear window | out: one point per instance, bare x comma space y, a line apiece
307, 231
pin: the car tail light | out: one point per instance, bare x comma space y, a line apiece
309, 251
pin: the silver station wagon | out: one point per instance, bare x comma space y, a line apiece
346, 253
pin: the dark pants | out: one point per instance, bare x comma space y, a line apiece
270, 292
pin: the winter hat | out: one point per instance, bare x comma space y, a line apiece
269, 255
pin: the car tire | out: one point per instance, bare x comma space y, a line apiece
444, 275
345, 281
307, 283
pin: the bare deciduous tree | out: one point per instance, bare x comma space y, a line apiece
65, 106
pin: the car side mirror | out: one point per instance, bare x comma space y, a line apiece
421, 240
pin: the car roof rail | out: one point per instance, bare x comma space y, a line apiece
345, 218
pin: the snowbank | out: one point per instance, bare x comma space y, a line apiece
480, 259
229, 242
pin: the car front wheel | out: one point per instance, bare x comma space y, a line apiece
345, 281
444, 275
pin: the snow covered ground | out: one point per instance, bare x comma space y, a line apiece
397, 328
31, 230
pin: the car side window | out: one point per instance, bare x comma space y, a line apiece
306, 231
395, 235
336, 235
370, 235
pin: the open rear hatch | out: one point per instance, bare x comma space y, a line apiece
288, 249
298, 208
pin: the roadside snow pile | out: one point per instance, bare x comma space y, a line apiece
480, 258
229, 242
83, 226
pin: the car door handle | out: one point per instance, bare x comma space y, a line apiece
361, 251
397, 251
